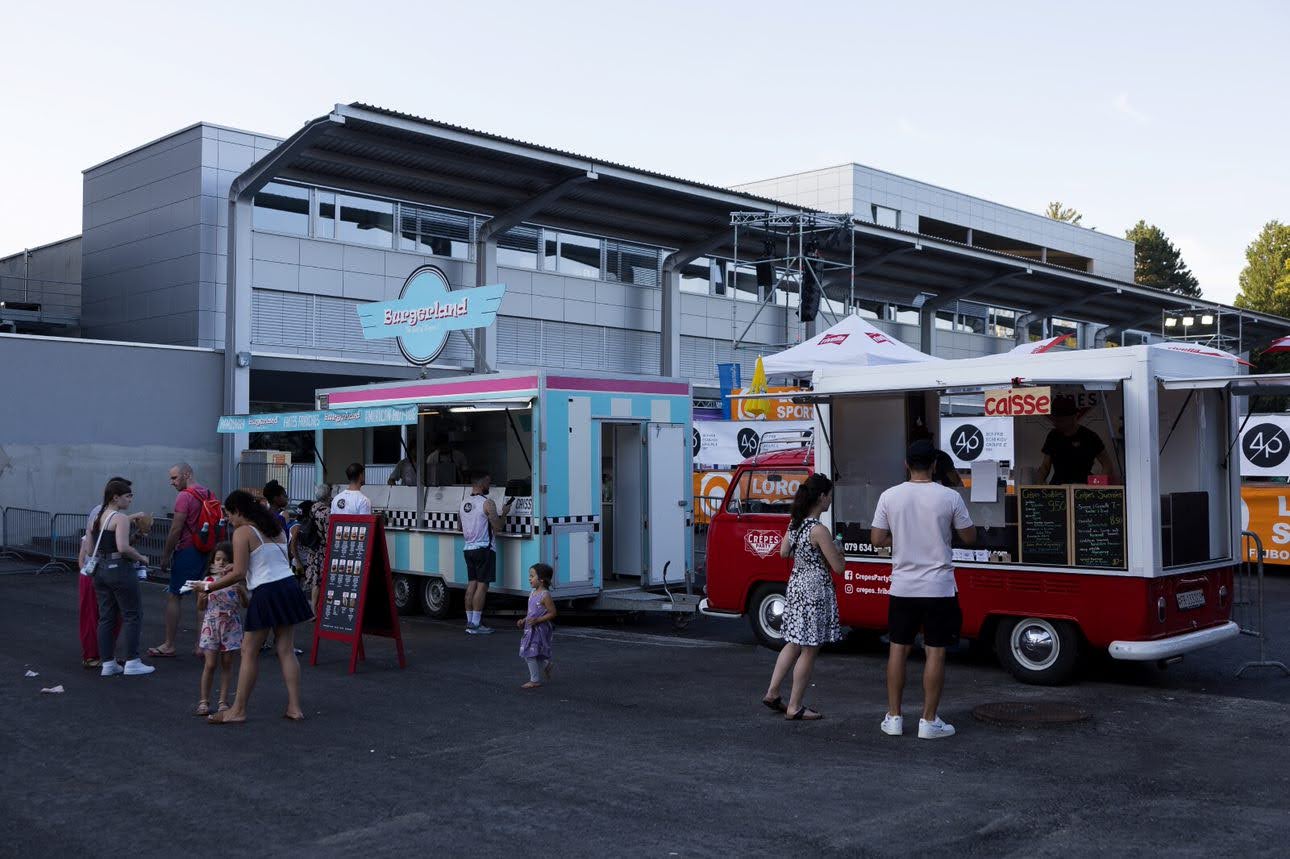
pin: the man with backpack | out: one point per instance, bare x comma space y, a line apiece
194, 531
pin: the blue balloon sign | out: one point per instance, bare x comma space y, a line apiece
427, 310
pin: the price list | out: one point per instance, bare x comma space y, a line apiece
345, 571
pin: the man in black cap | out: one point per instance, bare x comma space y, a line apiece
1070, 449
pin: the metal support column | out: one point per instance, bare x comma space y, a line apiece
237, 335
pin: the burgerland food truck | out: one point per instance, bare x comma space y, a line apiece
1138, 561
597, 466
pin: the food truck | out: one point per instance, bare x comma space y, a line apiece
1138, 562
597, 467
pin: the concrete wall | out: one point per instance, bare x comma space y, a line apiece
97, 409
154, 228
856, 188
50, 276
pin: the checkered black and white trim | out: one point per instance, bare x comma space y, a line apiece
451, 522
551, 521
443, 521
400, 518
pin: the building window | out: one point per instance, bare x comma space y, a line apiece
364, 221
325, 223
434, 231
281, 209
696, 276
518, 247
885, 217
572, 254
630, 263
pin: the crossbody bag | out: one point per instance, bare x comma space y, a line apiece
92, 562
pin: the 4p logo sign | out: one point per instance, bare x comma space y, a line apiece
762, 543
696, 442
1266, 445
967, 442
748, 441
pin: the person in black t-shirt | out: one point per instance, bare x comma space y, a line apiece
1070, 449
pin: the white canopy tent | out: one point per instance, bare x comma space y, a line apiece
853, 342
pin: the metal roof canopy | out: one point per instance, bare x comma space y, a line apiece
372, 150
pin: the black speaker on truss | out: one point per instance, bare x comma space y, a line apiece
766, 270
809, 307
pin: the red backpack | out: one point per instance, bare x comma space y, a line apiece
206, 527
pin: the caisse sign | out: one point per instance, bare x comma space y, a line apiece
967, 440
1265, 446
1018, 402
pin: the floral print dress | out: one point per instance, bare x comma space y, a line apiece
810, 603
222, 624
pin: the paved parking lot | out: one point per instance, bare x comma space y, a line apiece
648, 743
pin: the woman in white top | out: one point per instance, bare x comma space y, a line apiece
277, 603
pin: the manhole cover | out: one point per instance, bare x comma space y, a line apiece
1025, 713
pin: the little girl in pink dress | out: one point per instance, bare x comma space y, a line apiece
221, 630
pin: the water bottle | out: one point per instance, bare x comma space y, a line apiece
141, 570
206, 531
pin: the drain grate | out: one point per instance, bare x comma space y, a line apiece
1030, 713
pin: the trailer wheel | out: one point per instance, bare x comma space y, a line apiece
766, 614
1038, 651
407, 596
438, 598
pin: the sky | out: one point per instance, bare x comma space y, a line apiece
1172, 112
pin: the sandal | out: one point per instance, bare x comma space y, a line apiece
158, 653
223, 705
299, 718
806, 714
218, 719
203, 708
89, 664
776, 703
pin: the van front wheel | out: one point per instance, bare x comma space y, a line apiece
766, 614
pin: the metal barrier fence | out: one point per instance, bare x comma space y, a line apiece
1247, 601
302, 481
56, 538
27, 533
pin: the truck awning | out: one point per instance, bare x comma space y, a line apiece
367, 416
1268, 384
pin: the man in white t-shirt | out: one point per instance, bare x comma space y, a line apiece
916, 519
352, 500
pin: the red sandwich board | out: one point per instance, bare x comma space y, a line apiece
357, 590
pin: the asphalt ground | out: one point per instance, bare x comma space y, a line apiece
648, 742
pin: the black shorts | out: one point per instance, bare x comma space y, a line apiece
481, 565
938, 617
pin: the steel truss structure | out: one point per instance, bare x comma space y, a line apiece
801, 248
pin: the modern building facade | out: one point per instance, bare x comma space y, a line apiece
40, 289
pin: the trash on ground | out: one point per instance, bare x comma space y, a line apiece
53, 690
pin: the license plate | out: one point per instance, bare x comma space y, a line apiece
1190, 599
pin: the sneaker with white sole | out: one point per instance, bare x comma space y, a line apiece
483, 630
934, 730
111, 668
472, 628
893, 726
135, 668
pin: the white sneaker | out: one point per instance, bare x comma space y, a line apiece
135, 667
893, 726
111, 668
934, 730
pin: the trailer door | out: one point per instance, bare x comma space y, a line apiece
667, 449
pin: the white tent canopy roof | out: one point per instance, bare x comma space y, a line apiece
853, 342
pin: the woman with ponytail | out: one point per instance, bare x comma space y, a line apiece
810, 604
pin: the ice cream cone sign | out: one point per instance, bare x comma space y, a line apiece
758, 407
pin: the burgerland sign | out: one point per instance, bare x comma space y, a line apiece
427, 311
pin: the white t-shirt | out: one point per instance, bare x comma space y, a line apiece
353, 502
919, 517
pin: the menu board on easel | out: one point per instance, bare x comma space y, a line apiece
1097, 520
357, 588
1043, 514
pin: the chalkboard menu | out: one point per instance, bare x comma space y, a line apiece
357, 587
1045, 525
1097, 516
347, 569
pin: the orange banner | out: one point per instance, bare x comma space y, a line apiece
780, 409
1265, 510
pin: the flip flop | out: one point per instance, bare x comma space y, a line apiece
776, 704
216, 719
806, 714
292, 718
158, 653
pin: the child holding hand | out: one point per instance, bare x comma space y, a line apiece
221, 629
535, 646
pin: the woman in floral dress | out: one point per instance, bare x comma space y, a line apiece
810, 604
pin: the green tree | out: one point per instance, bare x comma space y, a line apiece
1265, 280
1157, 263
1057, 213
